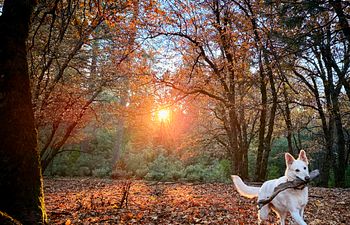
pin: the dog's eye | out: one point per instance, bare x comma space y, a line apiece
297, 170
304, 168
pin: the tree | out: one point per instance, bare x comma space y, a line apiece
21, 183
215, 48
75, 51
254, 11
318, 38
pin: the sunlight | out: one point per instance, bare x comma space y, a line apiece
164, 115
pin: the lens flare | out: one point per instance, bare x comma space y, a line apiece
164, 115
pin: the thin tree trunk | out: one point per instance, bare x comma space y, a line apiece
263, 112
340, 142
244, 145
327, 132
272, 115
260, 173
20, 176
50, 153
328, 129
288, 121
265, 147
120, 133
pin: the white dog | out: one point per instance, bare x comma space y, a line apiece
290, 200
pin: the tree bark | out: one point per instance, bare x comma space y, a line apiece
332, 90
327, 132
21, 182
262, 125
288, 121
343, 21
272, 115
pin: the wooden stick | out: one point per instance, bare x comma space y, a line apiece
296, 184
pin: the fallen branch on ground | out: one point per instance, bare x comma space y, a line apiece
296, 184
125, 194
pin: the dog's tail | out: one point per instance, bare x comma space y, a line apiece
243, 189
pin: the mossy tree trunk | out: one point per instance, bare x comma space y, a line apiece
21, 194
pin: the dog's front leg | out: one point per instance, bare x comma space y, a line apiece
296, 216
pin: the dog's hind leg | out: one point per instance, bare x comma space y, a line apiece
263, 213
296, 216
302, 212
282, 217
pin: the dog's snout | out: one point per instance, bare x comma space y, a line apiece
307, 178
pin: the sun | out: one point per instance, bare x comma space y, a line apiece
164, 115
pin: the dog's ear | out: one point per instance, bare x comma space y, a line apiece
302, 156
289, 158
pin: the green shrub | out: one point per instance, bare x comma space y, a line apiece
196, 172
96, 162
221, 171
134, 162
218, 171
149, 163
165, 169
273, 171
101, 172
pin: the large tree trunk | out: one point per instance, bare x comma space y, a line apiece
232, 135
327, 133
20, 175
332, 91
265, 136
272, 115
339, 162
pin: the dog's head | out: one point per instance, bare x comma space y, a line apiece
297, 168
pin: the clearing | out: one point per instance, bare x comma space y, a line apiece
98, 201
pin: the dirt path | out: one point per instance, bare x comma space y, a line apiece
97, 201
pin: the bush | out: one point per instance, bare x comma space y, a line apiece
221, 171
196, 172
165, 169
149, 163
101, 172
218, 171
134, 162
96, 162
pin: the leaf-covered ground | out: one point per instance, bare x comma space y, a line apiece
98, 201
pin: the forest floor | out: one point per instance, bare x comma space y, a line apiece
100, 201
